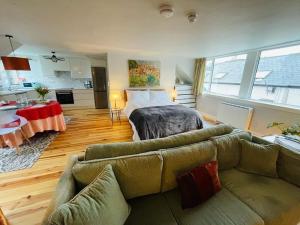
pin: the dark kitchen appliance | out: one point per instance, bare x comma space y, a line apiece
100, 87
64, 96
88, 84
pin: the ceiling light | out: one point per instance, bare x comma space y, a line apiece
166, 10
192, 17
13, 62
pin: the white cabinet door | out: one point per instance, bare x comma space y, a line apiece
80, 68
49, 68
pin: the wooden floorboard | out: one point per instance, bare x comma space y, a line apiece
25, 194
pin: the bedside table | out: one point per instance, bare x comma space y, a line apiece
115, 113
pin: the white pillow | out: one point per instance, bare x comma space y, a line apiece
138, 97
159, 97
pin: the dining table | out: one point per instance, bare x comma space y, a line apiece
40, 117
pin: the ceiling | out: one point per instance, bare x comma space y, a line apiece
97, 26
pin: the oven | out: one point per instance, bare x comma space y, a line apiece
65, 96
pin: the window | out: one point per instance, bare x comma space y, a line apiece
224, 75
277, 78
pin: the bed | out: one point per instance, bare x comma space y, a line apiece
152, 114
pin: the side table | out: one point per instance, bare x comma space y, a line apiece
115, 113
292, 145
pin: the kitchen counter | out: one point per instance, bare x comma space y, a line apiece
14, 92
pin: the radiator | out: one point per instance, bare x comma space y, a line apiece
235, 115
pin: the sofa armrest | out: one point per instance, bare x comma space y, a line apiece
65, 189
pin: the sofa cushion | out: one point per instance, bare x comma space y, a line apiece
182, 159
199, 184
150, 210
222, 209
100, 151
229, 148
137, 175
275, 200
100, 203
259, 159
288, 166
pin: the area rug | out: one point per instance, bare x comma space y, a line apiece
29, 153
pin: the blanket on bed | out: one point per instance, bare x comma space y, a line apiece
162, 121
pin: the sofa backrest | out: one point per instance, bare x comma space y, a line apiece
229, 148
137, 175
101, 151
182, 159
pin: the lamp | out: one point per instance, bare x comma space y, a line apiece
174, 94
13, 62
115, 97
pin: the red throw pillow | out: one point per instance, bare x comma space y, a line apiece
199, 184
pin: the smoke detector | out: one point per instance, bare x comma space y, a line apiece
166, 10
192, 17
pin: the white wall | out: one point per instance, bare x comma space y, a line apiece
263, 114
97, 62
117, 65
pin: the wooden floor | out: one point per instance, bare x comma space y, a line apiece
25, 194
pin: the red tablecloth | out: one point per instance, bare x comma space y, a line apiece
50, 109
40, 118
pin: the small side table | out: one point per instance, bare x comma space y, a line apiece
292, 145
115, 113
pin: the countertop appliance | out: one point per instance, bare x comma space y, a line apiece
100, 87
65, 96
30, 84
88, 84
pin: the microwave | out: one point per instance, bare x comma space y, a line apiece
31, 84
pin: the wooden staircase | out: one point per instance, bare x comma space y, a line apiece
185, 95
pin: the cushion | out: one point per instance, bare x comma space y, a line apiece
259, 159
275, 200
159, 98
137, 175
100, 151
138, 97
222, 209
101, 202
182, 159
229, 148
199, 184
150, 210
288, 166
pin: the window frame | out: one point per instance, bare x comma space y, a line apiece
213, 66
249, 74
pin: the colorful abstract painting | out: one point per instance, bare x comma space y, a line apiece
143, 73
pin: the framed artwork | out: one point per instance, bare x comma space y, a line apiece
143, 73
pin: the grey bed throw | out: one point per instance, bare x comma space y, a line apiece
162, 121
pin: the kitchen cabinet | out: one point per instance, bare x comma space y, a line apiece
49, 68
80, 68
82, 98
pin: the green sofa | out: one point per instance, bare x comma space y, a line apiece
146, 172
